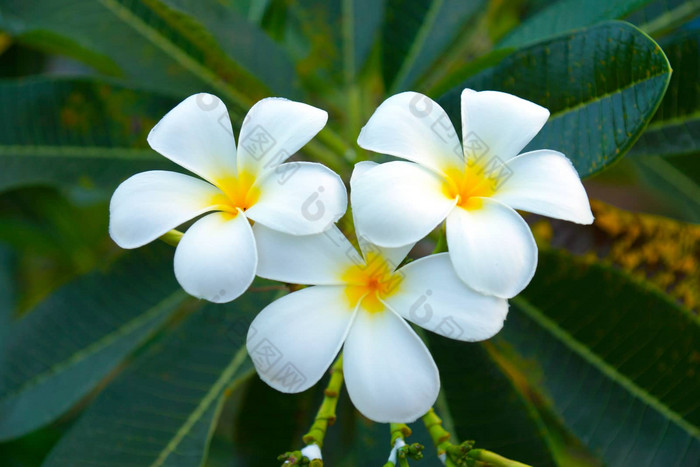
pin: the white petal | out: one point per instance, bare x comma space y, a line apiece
318, 259
393, 256
147, 205
492, 248
216, 258
432, 296
294, 340
496, 124
545, 182
389, 372
299, 198
197, 135
398, 203
360, 169
414, 127
275, 129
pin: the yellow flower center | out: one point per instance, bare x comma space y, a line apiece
468, 185
371, 282
237, 193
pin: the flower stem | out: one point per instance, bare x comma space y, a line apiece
463, 454
326, 413
492, 459
399, 430
172, 237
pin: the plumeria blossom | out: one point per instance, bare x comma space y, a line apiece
361, 302
217, 257
475, 185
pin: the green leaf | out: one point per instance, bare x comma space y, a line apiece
96, 32
668, 152
661, 16
567, 15
73, 131
232, 47
482, 404
601, 84
675, 129
7, 292
680, 187
335, 36
415, 34
162, 411
617, 358
61, 351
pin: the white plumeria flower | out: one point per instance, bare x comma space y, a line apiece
476, 185
217, 257
361, 303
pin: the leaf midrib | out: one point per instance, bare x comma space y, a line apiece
87, 152
594, 360
417, 45
172, 50
566, 110
210, 397
98, 345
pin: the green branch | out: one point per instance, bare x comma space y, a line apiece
326, 413
462, 454
400, 451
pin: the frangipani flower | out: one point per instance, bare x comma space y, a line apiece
217, 257
476, 185
361, 303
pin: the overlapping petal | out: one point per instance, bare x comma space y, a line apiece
394, 256
299, 198
545, 182
491, 248
316, 259
497, 124
275, 129
389, 372
149, 204
414, 127
197, 135
294, 340
216, 258
398, 203
432, 296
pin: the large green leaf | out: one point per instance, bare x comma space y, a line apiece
416, 32
157, 45
484, 405
668, 152
668, 179
675, 129
74, 339
337, 36
617, 359
602, 85
7, 292
99, 33
71, 131
162, 411
566, 15
661, 16
233, 48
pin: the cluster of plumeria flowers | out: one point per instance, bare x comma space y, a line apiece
259, 215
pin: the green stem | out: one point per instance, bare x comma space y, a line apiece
492, 459
462, 454
441, 244
326, 413
172, 237
399, 430
438, 434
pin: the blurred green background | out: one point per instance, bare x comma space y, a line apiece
101, 354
